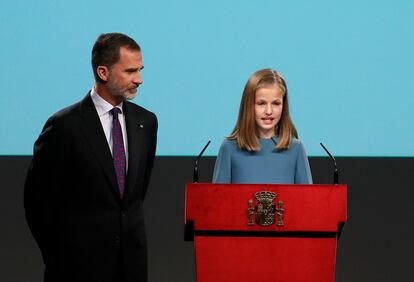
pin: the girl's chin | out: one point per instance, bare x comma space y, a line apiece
267, 126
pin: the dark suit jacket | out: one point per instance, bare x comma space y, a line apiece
84, 230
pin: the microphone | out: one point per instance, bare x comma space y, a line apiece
336, 171
195, 171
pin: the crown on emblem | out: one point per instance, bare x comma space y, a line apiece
265, 197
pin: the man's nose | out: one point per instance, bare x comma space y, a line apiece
137, 78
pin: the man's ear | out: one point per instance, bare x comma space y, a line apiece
102, 72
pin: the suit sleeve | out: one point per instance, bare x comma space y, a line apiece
41, 187
303, 173
151, 153
222, 168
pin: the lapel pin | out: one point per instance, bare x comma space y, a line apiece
141, 126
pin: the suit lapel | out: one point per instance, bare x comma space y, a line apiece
135, 133
95, 136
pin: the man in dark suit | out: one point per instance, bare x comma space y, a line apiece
91, 166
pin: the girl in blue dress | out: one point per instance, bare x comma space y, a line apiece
264, 145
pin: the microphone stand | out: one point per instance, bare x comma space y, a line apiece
195, 171
336, 171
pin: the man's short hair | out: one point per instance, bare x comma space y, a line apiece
105, 51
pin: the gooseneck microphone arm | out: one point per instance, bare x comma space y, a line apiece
195, 171
336, 171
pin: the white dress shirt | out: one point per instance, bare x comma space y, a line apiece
103, 108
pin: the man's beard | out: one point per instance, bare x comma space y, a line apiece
125, 94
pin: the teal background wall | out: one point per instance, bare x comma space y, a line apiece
348, 65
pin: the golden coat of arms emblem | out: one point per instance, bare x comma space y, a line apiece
266, 212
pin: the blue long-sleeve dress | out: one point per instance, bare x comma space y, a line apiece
269, 165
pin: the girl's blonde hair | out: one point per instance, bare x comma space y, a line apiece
245, 131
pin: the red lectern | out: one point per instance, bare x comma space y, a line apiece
260, 232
